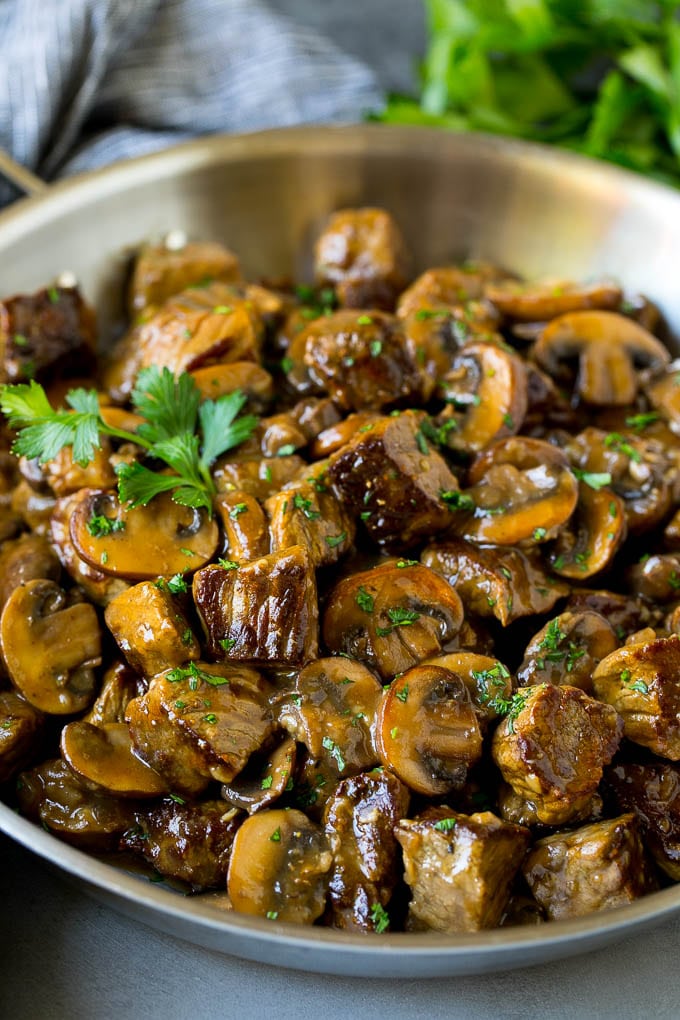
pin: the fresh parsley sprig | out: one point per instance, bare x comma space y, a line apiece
179, 430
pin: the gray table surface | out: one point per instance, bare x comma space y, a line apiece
63, 955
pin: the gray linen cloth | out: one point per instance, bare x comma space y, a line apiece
86, 82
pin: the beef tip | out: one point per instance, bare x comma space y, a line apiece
223, 712
361, 359
46, 334
65, 477
119, 686
280, 432
652, 792
21, 726
642, 682
263, 612
552, 747
151, 628
359, 822
495, 580
310, 515
448, 286
244, 525
279, 867
363, 255
34, 509
314, 415
567, 650
392, 617
331, 710
25, 559
254, 474
54, 796
594, 868
186, 842
459, 868
250, 378
393, 479
514, 808
160, 272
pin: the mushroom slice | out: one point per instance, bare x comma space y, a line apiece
335, 436
521, 489
53, 795
448, 285
23, 559
590, 540
427, 730
540, 300
552, 747
608, 346
103, 758
51, 645
120, 685
150, 627
267, 775
642, 682
142, 543
359, 820
361, 252
652, 791
100, 588
663, 392
244, 525
495, 580
21, 726
331, 710
488, 681
594, 868
392, 616
246, 376
459, 867
656, 577
625, 613
567, 650
486, 390
279, 867
166, 269
257, 475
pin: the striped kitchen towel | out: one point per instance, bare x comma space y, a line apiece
86, 82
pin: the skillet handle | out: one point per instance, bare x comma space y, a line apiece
22, 178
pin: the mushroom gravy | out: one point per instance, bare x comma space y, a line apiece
418, 666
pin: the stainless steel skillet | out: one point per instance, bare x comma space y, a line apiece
534, 210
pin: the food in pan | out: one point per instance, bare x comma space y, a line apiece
360, 599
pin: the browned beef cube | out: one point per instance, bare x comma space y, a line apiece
303, 515
264, 612
552, 747
161, 272
20, 728
359, 822
150, 628
189, 842
653, 793
593, 868
246, 535
363, 255
394, 480
25, 559
46, 334
460, 868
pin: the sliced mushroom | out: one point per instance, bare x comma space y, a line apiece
267, 775
592, 537
495, 580
161, 539
103, 759
663, 392
540, 300
21, 726
151, 628
26, 558
119, 686
244, 524
656, 577
520, 490
567, 650
392, 617
279, 867
163, 270
335, 436
448, 285
608, 346
427, 730
625, 613
100, 588
259, 476
488, 681
245, 376
652, 791
51, 645
331, 710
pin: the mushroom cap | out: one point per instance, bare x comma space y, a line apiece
103, 757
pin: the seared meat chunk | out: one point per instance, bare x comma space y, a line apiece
552, 748
244, 525
65, 477
221, 712
311, 516
160, 272
46, 334
459, 868
150, 628
24, 559
652, 792
394, 480
255, 475
642, 682
20, 727
331, 710
567, 650
359, 821
264, 612
53, 795
279, 867
362, 254
188, 842
448, 286
494, 580
392, 617
594, 868
361, 359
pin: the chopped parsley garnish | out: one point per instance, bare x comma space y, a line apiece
364, 600
375, 348
192, 672
380, 918
228, 564
445, 824
407, 563
595, 479
364, 320
398, 617
275, 836
177, 799
210, 718
286, 450
99, 525
187, 636
176, 585
334, 540
335, 752
615, 441
237, 510
539, 534
300, 503
639, 422
227, 643
266, 783
456, 500
402, 695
